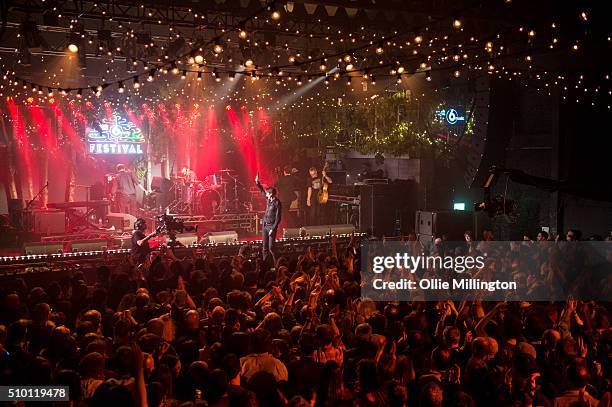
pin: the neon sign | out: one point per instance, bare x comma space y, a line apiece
450, 115
115, 136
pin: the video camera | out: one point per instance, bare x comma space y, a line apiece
173, 225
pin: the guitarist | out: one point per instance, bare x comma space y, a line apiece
316, 196
140, 241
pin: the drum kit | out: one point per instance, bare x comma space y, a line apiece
218, 193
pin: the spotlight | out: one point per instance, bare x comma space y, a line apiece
217, 47
73, 48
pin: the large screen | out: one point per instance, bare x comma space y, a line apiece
115, 135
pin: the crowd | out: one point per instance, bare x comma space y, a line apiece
238, 332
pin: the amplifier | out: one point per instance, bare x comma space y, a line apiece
49, 222
450, 223
43, 248
324, 230
221, 237
289, 233
121, 221
89, 245
187, 239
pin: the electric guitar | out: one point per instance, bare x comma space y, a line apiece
323, 195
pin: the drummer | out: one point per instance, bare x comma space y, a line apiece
188, 174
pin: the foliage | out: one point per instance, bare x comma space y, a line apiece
393, 125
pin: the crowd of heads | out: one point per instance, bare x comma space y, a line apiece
235, 331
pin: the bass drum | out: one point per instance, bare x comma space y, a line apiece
208, 201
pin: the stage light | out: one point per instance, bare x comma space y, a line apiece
217, 47
51, 101
30, 99
423, 65
323, 67
248, 62
136, 83
347, 58
400, 69
242, 34
349, 67
275, 15
120, 88
228, 107
291, 58
380, 50
457, 23
74, 48
457, 73
418, 38
198, 59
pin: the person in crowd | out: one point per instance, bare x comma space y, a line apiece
198, 330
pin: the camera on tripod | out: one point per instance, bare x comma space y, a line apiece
173, 225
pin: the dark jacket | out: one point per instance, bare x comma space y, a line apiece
272, 216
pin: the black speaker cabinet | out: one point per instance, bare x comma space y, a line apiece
387, 209
453, 224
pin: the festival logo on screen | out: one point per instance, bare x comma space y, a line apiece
451, 116
116, 135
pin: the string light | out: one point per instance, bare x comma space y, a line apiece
120, 88
136, 83
457, 23
217, 47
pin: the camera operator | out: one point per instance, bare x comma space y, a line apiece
140, 241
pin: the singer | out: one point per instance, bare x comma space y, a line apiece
270, 221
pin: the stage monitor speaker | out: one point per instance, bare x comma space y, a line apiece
121, 221
290, 233
221, 237
187, 239
89, 245
49, 222
324, 230
453, 224
43, 248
